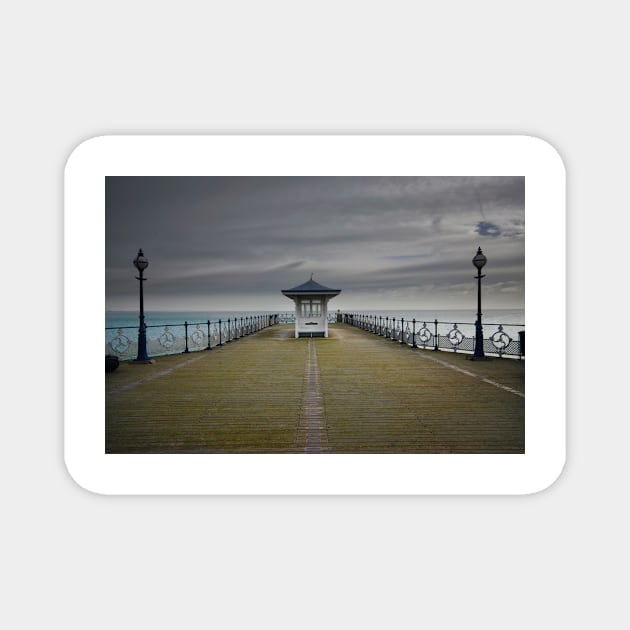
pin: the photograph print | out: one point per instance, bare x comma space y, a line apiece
315, 315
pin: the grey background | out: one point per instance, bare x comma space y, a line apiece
74, 559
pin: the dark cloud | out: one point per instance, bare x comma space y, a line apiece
248, 237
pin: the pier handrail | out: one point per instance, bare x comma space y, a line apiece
427, 334
197, 335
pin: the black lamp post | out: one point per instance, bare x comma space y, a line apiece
479, 261
141, 263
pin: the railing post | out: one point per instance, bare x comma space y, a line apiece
402, 330
437, 339
220, 331
186, 335
413, 335
209, 344
229, 334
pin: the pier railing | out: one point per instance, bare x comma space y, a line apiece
504, 340
184, 337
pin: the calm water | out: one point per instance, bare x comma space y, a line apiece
123, 319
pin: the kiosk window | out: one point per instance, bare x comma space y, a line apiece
311, 308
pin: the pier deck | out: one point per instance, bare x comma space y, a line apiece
353, 392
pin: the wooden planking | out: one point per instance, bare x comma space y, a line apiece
386, 397
370, 394
243, 397
311, 433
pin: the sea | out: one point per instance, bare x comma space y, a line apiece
168, 334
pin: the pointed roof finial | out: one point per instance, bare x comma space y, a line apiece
311, 276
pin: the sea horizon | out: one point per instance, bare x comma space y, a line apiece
115, 319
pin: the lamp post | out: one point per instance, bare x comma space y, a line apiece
141, 263
479, 261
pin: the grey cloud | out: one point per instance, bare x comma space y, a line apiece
255, 235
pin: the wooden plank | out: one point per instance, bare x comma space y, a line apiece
372, 396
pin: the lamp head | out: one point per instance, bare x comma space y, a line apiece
140, 262
479, 260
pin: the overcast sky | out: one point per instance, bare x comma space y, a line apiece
227, 243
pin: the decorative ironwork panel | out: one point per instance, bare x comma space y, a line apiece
500, 340
197, 338
120, 343
166, 340
424, 336
455, 337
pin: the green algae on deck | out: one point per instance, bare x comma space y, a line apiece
376, 396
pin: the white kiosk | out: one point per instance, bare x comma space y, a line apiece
311, 308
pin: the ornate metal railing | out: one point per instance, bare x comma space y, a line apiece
184, 337
505, 340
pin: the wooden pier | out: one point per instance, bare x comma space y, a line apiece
353, 392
